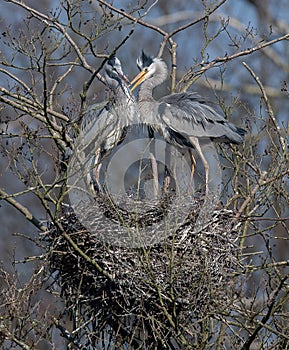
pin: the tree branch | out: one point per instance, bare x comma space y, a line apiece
31, 218
266, 317
132, 18
190, 24
189, 78
269, 107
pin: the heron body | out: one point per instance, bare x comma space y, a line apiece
182, 118
104, 125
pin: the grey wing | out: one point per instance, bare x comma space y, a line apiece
97, 126
190, 115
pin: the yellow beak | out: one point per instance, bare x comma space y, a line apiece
138, 79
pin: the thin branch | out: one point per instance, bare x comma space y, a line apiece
132, 18
52, 22
266, 317
250, 197
250, 89
56, 83
31, 218
13, 338
19, 81
191, 77
88, 83
190, 24
268, 105
36, 106
86, 257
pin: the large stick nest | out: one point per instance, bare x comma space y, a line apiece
179, 280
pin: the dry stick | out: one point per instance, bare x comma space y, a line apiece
154, 165
268, 105
65, 333
224, 59
185, 26
86, 257
22, 209
132, 18
250, 197
52, 22
270, 265
31, 218
273, 330
174, 66
12, 337
266, 317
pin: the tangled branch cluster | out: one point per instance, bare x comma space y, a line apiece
159, 291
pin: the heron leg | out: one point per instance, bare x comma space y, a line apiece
167, 181
155, 175
95, 171
168, 164
193, 168
197, 146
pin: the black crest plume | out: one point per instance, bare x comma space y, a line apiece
144, 61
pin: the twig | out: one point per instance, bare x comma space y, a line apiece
12, 337
22, 209
185, 26
52, 22
191, 77
268, 105
63, 331
266, 317
86, 257
132, 18
250, 197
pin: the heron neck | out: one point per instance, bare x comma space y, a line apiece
148, 86
123, 104
120, 94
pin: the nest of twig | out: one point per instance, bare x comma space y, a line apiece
152, 288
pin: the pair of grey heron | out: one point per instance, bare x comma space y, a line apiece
182, 119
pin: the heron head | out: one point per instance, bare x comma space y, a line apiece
148, 67
144, 61
113, 72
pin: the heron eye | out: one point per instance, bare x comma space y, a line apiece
146, 69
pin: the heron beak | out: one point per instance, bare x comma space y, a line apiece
124, 77
138, 79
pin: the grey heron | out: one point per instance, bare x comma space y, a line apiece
182, 118
108, 121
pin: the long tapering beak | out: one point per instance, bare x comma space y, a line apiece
138, 79
124, 77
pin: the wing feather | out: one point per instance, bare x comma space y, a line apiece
191, 115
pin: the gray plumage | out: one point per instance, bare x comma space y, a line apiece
189, 114
107, 120
104, 124
182, 118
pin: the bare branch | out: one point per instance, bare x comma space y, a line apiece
266, 317
132, 18
268, 105
190, 24
191, 77
22, 210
